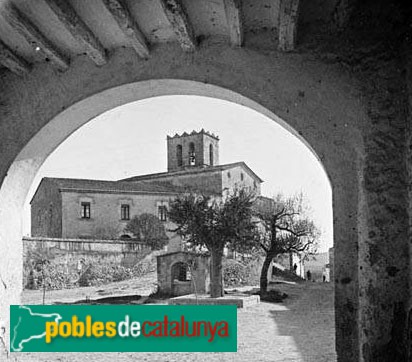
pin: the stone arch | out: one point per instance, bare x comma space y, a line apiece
179, 155
211, 161
181, 279
59, 104
192, 154
180, 271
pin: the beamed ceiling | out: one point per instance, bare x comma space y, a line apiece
57, 31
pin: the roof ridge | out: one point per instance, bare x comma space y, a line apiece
190, 170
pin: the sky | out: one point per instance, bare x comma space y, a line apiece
131, 140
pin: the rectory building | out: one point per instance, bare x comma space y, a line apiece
95, 209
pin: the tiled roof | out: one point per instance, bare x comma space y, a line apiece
100, 185
194, 170
137, 183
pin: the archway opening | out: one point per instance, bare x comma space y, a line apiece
181, 272
30, 159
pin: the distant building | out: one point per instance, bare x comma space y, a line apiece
331, 265
318, 266
93, 209
193, 162
78, 208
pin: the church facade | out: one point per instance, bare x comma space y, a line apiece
95, 209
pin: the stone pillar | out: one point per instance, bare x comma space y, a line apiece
384, 258
346, 240
408, 319
12, 196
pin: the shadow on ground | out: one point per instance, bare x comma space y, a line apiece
309, 319
300, 329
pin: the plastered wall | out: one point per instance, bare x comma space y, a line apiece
321, 103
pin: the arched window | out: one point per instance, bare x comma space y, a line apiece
181, 272
192, 154
211, 154
179, 155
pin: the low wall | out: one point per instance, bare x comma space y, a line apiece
73, 255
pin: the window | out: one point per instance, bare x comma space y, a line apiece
162, 213
179, 155
85, 210
125, 212
242, 176
228, 174
211, 154
192, 154
181, 272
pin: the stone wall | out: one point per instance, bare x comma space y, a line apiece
71, 255
406, 321
232, 180
384, 253
201, 142
384, 265
207, 181
46, 212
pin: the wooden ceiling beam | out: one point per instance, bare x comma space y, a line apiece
288, 24
179, 20
40, 44
128, 25
233, 10
12, 61
79, 30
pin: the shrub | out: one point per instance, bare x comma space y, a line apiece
234, 273
95, 273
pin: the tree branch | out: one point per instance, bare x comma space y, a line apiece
264, 247
298, 234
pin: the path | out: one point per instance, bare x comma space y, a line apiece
299, 330
141, 286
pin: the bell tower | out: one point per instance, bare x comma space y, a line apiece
197, 149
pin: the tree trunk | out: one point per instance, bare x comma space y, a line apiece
264, 273
216, 278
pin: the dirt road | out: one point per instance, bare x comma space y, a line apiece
300, 330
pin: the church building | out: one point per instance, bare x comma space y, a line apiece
95, 209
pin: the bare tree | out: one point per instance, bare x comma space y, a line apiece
285, 228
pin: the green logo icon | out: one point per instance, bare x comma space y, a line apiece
123, 328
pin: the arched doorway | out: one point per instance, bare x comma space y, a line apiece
30, 158
181, 278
